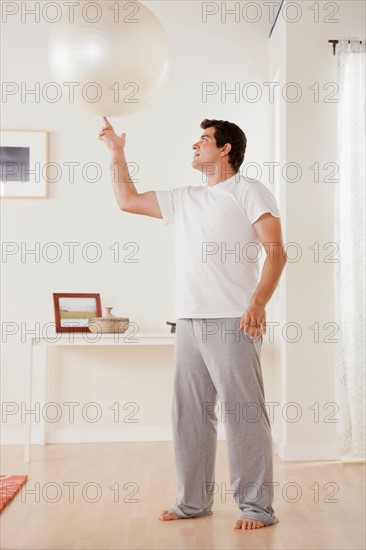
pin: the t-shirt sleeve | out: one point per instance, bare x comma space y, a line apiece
166, 200
258, 200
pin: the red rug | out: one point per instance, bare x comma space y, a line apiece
9, 486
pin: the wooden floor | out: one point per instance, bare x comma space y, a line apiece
320, 505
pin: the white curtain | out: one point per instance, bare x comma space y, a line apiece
350, 235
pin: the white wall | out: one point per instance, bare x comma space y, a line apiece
305, 371
159, 140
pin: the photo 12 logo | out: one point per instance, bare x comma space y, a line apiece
256, 12
71, 11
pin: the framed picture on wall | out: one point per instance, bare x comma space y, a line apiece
73, 311
23, 164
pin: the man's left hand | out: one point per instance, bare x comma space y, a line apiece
253, 319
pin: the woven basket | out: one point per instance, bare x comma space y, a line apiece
108, 324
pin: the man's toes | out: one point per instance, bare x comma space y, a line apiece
241, 524
237, 524
168, 515
248, 524
258, 525
253, 524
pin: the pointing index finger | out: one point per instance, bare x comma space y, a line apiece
106, 121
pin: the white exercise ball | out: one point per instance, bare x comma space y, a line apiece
111, 58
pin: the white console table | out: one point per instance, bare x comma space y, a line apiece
78, 339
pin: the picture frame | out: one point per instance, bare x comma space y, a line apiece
73, 310
23, 164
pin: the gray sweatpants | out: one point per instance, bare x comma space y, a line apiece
214, 360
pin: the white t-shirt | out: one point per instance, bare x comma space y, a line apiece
217, 250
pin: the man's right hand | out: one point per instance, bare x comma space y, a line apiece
107, 134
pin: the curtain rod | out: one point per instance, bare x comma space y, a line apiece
335, 42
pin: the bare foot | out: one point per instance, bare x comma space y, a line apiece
245, 523
167, 515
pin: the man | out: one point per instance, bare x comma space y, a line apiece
220, 319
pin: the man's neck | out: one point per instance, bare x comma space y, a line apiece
219, 177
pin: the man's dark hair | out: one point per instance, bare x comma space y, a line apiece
228, 132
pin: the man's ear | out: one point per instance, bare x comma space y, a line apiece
226, 150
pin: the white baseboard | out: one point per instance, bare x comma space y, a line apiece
12, 437
101, 435
160, 433
106, 435
304, 452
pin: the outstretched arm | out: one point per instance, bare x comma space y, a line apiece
128, 198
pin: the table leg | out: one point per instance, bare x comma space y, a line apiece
28, 397
43, 375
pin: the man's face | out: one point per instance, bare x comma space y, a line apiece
206, 152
